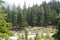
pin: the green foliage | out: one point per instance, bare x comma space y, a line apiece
57, 37
19, 38
2, 14
42, 15
31, 38
3, 35
26, 33
19, 16
1, 1
25, 24
37, 37
4, 29
23, 37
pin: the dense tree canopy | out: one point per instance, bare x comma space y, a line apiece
37, 15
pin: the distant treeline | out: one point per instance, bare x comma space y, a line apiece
37, 15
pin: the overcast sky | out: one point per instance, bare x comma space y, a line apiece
28, 2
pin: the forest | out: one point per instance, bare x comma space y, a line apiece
14, 16
37, 15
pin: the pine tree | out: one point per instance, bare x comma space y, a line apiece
40, 16
28, 15
13, 16
19, 16
8, 12
56, 36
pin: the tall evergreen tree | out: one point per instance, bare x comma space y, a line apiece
56, 36
8, 12
19, 16
13, 16
40, 16
28, 15
24, 12
24, 15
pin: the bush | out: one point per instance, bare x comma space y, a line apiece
37, 37
4, 35
4, 29
19, 38
24, 24
57, 35
26, 33
31, 38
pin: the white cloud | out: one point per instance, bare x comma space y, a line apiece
28, 2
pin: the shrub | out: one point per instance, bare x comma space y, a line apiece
31, 38
37, 37
26, 33
24, 24
4, 28
19, 38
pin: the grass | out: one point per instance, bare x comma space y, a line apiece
41, 35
